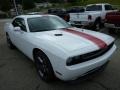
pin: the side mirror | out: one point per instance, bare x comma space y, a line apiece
17, 29
69, 23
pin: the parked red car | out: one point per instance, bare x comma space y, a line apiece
113, 21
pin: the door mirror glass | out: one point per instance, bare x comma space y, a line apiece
17, 28
69, 23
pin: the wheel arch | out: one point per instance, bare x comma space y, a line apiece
7, 33
98, 19
50, 63
37, 49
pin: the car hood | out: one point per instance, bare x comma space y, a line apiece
75, 39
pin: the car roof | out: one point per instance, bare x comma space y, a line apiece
34, 13
99, 4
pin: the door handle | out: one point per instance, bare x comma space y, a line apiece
19, 31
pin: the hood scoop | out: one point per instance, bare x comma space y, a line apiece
59, 34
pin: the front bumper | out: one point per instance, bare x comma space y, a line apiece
75, 71
108, 25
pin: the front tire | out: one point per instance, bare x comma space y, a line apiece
9, 42
43, 66
97, 25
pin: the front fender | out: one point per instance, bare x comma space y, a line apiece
56, 55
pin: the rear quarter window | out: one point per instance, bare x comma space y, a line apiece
108, 7
94, 8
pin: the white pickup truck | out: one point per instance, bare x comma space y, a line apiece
93, 16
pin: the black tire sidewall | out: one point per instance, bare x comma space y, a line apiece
9, 42
97, 22
49, 75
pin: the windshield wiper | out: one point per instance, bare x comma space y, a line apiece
65, 28
43, 30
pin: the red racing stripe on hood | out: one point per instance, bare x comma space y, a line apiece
100, 43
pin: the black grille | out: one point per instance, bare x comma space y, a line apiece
90, 56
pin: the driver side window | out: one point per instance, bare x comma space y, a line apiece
19, 22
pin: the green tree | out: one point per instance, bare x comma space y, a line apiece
71, 1
5, 5
40, 1
28, 4
56, 1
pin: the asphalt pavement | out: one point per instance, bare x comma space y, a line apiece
17, 72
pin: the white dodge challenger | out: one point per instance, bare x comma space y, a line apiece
58, 49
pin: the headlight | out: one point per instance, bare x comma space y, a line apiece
88, 56
73, 60
69, 61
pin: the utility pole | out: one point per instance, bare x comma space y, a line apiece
15, 7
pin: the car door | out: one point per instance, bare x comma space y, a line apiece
20, 36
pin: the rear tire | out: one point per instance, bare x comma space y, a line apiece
43, 66
97, 25
9, 42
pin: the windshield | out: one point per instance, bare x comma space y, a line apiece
46, 23
94, 8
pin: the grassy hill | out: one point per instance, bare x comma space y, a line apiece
113, 2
